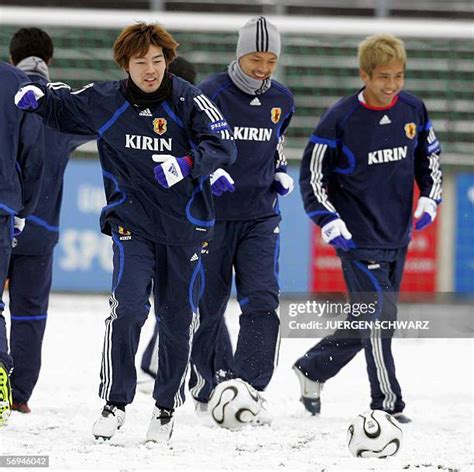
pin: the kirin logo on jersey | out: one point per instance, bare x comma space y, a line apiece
410, 130
160, 125
387, 155
276, 114
244, 133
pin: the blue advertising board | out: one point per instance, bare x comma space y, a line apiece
83, 257
464, 234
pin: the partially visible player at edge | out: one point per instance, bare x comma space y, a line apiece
159, 140
30, 270
357, 179
247, 237
21, 170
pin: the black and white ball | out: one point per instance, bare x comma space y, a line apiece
234, 404
374, 434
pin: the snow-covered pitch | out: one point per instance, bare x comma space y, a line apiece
436, 377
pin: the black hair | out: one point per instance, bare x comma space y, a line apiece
28, 42
184, 69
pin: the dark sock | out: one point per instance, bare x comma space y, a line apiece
168, 410
120, 406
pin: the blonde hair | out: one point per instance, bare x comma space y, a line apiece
380, 49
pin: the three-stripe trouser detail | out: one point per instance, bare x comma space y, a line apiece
139, 265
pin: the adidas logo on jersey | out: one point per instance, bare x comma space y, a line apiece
255, 102
194, 258
145, 112
385, 120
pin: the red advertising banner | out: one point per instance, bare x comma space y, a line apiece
420, 267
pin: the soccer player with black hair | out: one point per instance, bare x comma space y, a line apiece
30, 270
357, 181
159, 139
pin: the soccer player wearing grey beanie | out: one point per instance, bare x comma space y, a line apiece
246, 235
258, 50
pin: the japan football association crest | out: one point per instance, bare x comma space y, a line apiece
160, 125
410, 130
276, 114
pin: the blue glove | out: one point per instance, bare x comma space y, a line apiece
283, 183
221, 182
173, 170
426, 209
27, 97
336, 233
18, 225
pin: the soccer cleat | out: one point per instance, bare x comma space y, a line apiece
161, 425
5, 395
21, 407
200, 408
401, 418
310, 392
263, 417
111, 419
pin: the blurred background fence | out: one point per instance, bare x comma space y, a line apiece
319, 65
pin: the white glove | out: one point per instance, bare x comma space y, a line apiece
221, 182
218, 173
18, 225
173, 170
425, 212
337, 234
27, 97
283, 183
427, 205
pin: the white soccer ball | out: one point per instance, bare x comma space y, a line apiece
233, 404
374, 434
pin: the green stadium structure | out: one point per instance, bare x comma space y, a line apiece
319, 68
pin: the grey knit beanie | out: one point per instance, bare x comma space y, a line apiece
258, 35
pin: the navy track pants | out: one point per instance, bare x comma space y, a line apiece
6, 237
29, 286
251, 248
370, 275
176, 275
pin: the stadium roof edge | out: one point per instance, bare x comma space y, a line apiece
88, 18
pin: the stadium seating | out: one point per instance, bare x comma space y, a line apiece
318, 68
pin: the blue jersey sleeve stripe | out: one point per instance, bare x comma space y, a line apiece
172, 115
225, 85
34, 219
191, 218
352, 162
9, 210
321, 212
121, 260
109, 176
114, 118
28, 317
318, 140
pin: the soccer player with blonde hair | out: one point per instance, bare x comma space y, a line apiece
357, 180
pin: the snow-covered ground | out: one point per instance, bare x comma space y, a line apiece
436, 376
